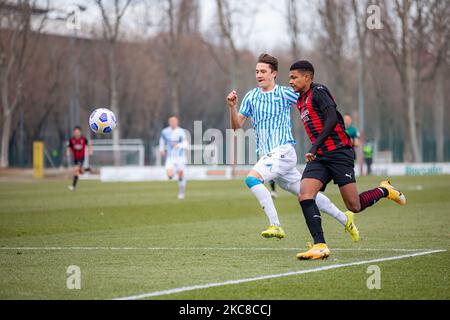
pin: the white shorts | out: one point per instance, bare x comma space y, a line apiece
175, 164
280, 165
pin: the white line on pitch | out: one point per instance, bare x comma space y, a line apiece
198, 249
272, 276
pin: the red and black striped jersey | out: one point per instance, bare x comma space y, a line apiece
78, 147
311, 106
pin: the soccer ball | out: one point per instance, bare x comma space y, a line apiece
102, 120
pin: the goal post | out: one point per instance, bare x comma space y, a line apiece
131, 153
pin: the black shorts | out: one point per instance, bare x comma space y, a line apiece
338, 166
78, 162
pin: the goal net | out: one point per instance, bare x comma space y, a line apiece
129, 152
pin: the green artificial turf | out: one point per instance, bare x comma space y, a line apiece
133, 238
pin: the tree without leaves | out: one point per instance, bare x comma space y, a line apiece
404, 38
15, 54
144, 80
360, 18
439, 49
224, 16
230, 14
111, 30
226, 25
292, 20
293, 27
333, 15
182, 19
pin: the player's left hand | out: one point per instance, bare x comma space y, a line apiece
310, 157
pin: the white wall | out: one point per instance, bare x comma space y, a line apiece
158, 173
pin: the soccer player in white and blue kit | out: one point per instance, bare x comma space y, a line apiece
269, 108
172, 145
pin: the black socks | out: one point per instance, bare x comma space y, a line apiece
313, 220
75, 180
272, 185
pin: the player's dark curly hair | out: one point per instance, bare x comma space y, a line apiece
270, 60
303, 66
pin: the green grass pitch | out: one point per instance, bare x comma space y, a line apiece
134, 238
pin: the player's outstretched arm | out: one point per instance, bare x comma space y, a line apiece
237, 119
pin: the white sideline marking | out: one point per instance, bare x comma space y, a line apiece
199, 249
273, 276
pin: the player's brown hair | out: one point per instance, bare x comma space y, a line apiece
270, 60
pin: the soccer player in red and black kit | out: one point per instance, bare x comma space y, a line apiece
331, 157
77, 146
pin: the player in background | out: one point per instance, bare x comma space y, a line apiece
368, 156
172, 145
77, 147
352, 132
331, 157
269, 108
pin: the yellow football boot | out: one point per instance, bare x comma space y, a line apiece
394, 194
274, 232
317, 251
350, 227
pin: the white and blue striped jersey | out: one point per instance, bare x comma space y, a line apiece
174, 142
270, 114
